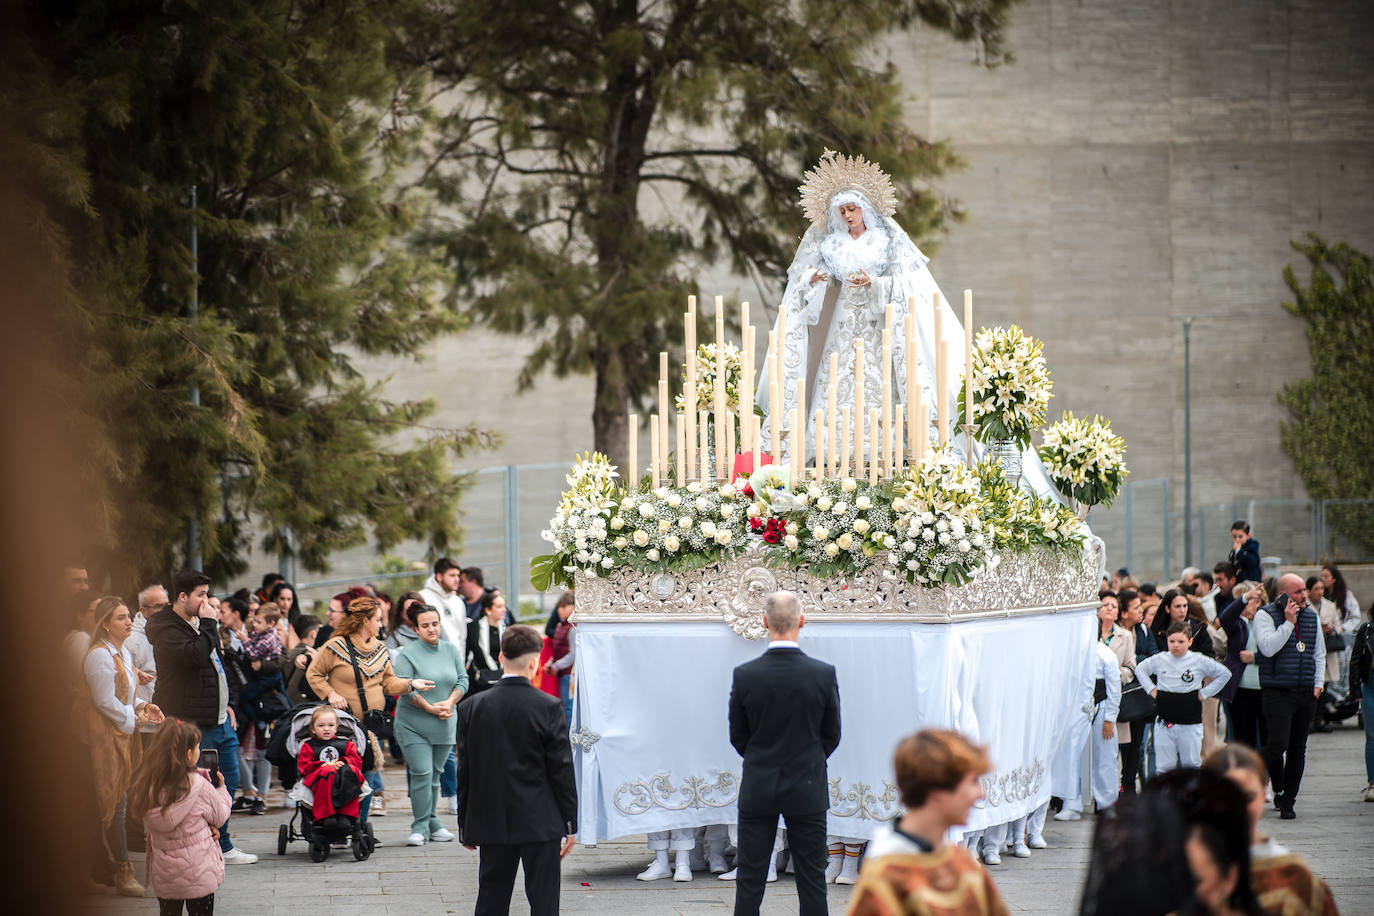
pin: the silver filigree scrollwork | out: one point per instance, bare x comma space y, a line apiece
642, 795
1015, 785
861, 802
584, 738
1041, 581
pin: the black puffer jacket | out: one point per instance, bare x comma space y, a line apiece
187, 682
1362, 659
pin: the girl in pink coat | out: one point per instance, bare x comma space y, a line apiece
182, 807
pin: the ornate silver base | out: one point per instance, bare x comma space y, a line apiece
1007, 453
1040, 582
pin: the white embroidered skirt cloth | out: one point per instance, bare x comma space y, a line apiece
651, 736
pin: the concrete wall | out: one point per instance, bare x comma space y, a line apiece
1142, 160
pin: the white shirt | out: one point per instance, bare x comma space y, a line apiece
1182, 674
1209, 604
141, 651
453, 613
783, 644
99, 668
1271, 639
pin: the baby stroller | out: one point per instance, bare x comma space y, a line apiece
283, 746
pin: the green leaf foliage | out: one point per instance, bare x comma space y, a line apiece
293, 121
598, 156
1330, 430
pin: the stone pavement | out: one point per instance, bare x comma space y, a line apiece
1334, 831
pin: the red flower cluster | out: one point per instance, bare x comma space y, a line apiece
773, 530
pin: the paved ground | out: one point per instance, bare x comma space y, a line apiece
1334, 831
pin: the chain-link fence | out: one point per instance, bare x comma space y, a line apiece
507, 508
1144, 536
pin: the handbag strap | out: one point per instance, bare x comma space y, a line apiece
357, 673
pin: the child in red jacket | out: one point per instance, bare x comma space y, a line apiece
331, 768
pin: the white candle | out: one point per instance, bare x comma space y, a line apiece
885, 446
897, 443
754, 423
775, 422
653, 450
680, 456
968, 357
843, 470
912, 361
632, 481
703, 427
859, 408
665, 410
721, 371
918, 446
873, 421
729, 444
689, 399
799, 431
942, 391
746, 395
819, 426
794, 453
830, 395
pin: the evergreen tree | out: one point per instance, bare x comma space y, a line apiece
597, 154
1331, 431
292, 120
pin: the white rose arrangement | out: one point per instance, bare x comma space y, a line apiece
940, 534
1011, 385
1085, 460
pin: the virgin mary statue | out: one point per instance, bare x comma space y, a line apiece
853, 262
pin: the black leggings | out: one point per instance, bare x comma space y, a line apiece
1130, 759
201, 906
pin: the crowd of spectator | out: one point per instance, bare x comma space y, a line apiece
224, 670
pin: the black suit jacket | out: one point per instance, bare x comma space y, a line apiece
515, 771
784, 722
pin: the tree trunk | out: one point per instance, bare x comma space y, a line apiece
609, 414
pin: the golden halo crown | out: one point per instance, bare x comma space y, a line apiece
835, 173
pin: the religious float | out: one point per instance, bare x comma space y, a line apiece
945, 571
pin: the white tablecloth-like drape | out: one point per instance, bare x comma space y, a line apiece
651, 737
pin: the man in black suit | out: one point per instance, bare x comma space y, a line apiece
516, 794
785, 722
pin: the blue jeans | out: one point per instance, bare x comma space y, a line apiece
222, 738
448, 776
374, 779
1367, 699
565, 694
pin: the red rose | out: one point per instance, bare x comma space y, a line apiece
772, 536
755, 523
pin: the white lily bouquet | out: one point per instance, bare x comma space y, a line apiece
1085, 460
706, 377
578, 529
1011, 385
940, 535
1023, 519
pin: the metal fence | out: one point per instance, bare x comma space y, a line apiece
507, 508
1143, 535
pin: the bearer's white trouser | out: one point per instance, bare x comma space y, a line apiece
1177, 746
676, 840
1035, 822
993, 838
1066, 772
1106, 759
779, 839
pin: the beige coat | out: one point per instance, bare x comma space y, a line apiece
1122, 643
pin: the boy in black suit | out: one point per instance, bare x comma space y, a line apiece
785, 723
516, 793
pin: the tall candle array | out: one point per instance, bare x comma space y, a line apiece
860, 439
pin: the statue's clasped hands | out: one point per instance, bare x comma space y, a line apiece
860, 278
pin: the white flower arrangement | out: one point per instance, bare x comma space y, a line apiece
940, 535
706, 377
847, 524
1085, 460
670, 524
1018, 519
1011, 385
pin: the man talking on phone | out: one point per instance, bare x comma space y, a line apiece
517, 798
191, 684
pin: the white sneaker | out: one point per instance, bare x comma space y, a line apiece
1037, 842
1021, 851
415, 839
451, 804
378, 808
683, 872
730, 875
1068, 814
442, 835
654, 872
236, 856
734, 873
992, 858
